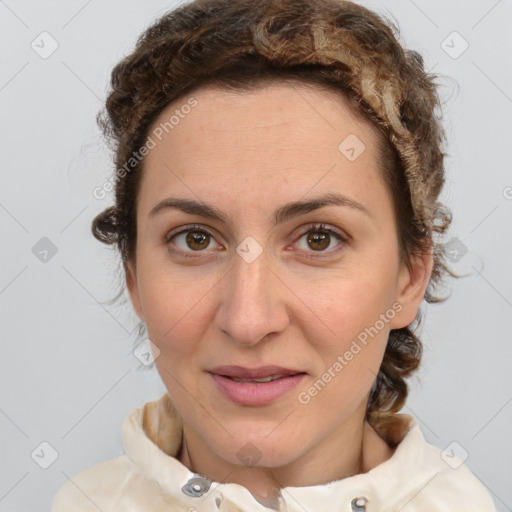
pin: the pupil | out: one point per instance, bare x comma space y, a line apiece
197, 240
319, 240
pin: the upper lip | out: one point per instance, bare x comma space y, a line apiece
241, 372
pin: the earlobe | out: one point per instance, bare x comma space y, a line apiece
412, 284
133, 289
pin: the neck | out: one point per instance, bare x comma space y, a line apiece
359, 447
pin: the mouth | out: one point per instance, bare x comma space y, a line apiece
261, 374
260, 380
255, 386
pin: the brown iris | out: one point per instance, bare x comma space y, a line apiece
319, 240
198, 240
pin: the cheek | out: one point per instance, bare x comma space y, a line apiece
346, 307
350, 362
350, 338
174, 302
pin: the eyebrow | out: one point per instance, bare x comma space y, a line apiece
282, 214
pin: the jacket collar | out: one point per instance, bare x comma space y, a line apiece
152, 437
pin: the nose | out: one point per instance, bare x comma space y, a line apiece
252, 302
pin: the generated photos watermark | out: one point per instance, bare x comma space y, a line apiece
157, 134
343, 360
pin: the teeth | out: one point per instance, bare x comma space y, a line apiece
262, 379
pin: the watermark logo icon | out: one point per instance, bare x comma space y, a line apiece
44, 250
249, 250
454, 45
44, 455
352, 147
146, 352
249, 455
454, 455
44, 45
455, 249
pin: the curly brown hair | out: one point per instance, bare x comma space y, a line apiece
335, 44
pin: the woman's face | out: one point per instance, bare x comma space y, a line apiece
267, 247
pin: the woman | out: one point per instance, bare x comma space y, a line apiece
279, 164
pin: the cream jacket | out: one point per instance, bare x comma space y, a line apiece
148, 478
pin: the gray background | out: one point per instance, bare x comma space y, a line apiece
67, 373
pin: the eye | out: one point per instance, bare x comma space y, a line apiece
319, 238
191, 239
196, 239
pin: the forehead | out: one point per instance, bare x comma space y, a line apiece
284, 137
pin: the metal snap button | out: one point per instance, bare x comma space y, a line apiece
196, 486
359, 504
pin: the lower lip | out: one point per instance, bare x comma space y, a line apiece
257, 393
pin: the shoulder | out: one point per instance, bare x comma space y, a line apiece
437, 479
450, 484
136, 479
110, 486
86, 491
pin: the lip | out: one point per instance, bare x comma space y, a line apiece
240, 372
255, 393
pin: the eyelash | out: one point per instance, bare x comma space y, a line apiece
310, 228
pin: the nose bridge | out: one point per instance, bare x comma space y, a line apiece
251, 305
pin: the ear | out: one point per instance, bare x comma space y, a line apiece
133, 288
412, 283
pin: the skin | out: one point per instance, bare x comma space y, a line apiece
248, 154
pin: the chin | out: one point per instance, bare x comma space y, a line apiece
257, 451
